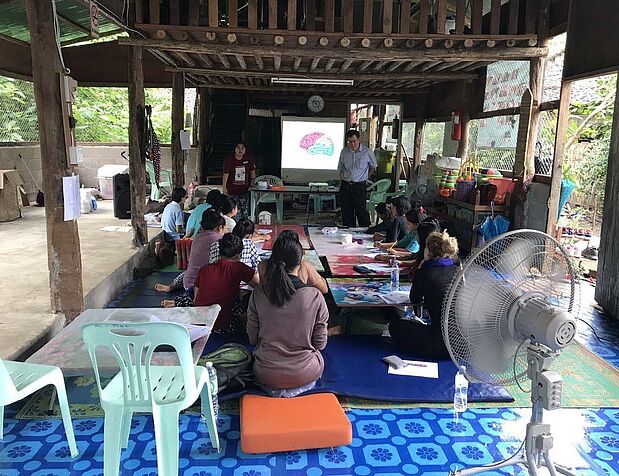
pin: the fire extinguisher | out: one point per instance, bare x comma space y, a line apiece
456, 125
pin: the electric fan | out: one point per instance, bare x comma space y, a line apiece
422, 188
507, 314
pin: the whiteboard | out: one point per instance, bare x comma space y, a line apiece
311, 148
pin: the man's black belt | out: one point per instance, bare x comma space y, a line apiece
354, 183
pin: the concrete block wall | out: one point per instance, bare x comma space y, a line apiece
95, 156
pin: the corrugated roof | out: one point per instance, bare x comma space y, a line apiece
73, 16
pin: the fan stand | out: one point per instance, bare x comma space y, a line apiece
546, 394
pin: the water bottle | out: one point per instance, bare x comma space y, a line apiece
461, 385
213, 387
395, 275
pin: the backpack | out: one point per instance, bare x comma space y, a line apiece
233, 363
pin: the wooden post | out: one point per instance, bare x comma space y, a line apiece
607, 287
563, 116
63, 244
418, 142
463, 144
178, 117
522, 146
203, 98
137, 160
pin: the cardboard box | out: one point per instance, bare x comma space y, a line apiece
10, 199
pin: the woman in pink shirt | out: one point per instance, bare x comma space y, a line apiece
287, 321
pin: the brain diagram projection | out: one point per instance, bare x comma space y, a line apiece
317, 143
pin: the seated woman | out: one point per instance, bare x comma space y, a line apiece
398, 207
193, 224
287, 321
383, 212
244, 229
213, 227
219, 283
228, 209
307, 273
430, 284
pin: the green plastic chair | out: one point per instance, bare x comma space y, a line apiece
18, 380
142, 387
165, 182
275, 198
378, 194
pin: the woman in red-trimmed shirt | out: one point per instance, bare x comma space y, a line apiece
239, 173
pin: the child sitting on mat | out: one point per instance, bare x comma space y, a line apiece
228, 209
383, 212
307, 273
219, 283
244, 229
430, 285
287, 321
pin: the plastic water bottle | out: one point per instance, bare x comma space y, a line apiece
213, 387
461, 398
395, 275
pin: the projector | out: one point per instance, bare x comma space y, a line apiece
318, 187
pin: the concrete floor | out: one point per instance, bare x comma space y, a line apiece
26, 319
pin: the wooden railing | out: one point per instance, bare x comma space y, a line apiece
407, 17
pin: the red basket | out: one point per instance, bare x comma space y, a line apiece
504, 185
463, 189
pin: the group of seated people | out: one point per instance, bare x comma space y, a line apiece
286, 316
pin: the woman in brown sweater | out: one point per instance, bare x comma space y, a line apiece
287, 321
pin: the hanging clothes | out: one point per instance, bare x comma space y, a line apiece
153, 151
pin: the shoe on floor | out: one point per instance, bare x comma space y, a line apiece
590, 252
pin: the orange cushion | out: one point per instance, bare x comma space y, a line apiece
282, 424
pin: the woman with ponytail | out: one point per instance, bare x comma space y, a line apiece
287, 322
429, 287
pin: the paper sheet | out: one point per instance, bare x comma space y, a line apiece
195, 332
395, 297
71, 197
119, 229
377, 267
416, 368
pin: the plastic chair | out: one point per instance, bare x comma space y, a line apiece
142, 387
165, 182
275, 198
318, 199
401, 191
21, 379
378, 194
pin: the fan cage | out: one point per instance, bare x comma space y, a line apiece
475, 317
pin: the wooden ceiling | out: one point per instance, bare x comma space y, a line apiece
399, 49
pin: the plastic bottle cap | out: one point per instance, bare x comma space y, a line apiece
208, 364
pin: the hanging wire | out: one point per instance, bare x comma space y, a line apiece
66, 70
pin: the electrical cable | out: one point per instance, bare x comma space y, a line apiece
65, 70
498, 463
514, 366
600, 339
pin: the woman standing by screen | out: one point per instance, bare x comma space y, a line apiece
239, 172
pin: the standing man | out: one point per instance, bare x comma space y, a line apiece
356, 163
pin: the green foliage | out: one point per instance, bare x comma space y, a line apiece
18, 113
102, 114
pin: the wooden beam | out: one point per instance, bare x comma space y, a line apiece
178, 118
154, 15
607, 288
296, 64
455, 54
137, 168
329, 15
346, 65
563, 116
341, 74
476, 16
63, 242
233, 15
441, 16
272, 14
138, 11
460, 16
277, 62
73, 24
514, 5
364, 66
495, 17
203, 105
368, 12
424, 11
310, 15
418, 142
395, 66
292, 15
329, 65
213, 12
241, 61
405, 17
194, 12
186, 58
205, 60
531, 15
314, 64
387, 16
259, 62
252, 17
347, 16
224, 61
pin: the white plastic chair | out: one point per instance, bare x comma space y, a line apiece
21, 379
142, 387
275, 197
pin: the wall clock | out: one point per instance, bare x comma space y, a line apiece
315, 103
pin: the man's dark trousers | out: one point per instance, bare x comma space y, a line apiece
354, 206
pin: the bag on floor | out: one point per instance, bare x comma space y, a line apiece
233, 363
